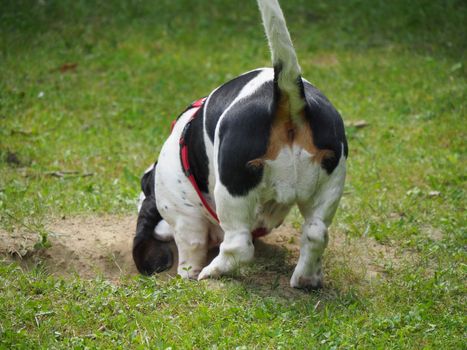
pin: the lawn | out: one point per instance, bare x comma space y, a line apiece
87, 93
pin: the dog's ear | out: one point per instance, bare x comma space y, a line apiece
150, 254
147, 181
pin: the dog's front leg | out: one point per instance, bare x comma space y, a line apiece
236, 215
192, 244
237, 248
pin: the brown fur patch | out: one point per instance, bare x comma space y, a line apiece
286, 133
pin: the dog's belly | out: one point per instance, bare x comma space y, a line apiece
270, 215
292, 177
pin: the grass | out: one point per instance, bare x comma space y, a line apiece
92, 86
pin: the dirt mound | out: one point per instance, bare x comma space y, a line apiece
90, 245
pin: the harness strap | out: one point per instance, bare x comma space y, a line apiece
187, 169
185, 162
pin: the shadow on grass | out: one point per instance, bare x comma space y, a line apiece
270, 272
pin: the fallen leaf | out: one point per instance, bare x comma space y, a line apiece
67, 67
68, 173
358, 124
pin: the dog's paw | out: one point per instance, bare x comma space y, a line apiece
209, 272
312, 282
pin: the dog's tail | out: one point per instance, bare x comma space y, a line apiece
149, 253
287, 74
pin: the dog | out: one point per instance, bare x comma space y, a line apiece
235, 164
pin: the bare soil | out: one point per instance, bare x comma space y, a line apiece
101, 245
83, 245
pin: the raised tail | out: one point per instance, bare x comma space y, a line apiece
287, 74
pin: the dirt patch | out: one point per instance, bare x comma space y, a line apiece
349, 262
83, 245
89, 246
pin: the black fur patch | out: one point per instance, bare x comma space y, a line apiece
223, 97
244, 135
149, 254
326, 125
147, 182
197, 156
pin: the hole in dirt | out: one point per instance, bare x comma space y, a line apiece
92, 245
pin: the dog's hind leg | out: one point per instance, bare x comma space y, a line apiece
318, 214
236, 216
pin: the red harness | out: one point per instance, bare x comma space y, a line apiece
186, 164
187, 170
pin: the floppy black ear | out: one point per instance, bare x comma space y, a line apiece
147, 181
150, 254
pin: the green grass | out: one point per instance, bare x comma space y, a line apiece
184, 314
398, 65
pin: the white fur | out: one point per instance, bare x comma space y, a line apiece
163, 231
282, 52
178, 204
292, 178
318, 212
194, 229
141, 199
267, 76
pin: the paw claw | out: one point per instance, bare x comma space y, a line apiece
203, 275
208, 272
